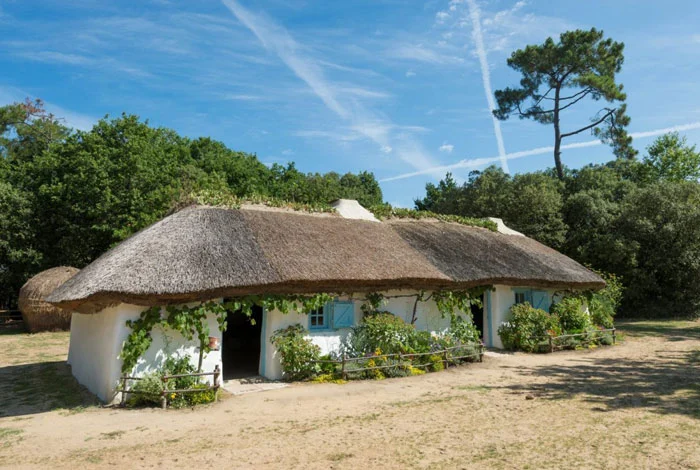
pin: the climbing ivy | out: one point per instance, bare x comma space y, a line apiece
191, 322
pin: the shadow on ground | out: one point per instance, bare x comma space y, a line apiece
668, 383
36, 388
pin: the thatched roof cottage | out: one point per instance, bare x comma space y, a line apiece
204, 253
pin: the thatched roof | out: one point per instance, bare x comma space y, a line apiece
39, 315
202, 253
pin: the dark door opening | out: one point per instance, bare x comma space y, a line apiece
478, 317
240, 348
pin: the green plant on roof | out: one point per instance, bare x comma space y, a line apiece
386, 211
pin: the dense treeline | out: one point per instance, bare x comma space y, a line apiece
638, 219
66, 196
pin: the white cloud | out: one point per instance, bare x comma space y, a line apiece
287, 152
486, 78
447, 148
479, 162
441, 17
386, 149
243, 97
277, 39
410, 73
422, 53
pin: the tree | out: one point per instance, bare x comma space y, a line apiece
557, 76
660, 227
670, 158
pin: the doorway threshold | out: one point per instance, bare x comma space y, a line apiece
253, 384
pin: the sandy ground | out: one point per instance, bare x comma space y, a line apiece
635, 405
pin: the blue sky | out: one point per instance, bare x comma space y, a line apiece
393, 86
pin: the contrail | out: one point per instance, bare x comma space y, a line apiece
476, 162
486, 77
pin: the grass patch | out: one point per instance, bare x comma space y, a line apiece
10, 436
112, 435
473, 388
340, 456
674, 330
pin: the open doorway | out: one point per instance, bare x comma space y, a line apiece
478, 317
240, 348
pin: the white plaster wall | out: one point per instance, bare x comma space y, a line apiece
96, 342
428, 319
500, 302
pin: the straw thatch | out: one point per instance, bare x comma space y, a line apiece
476, 256
39, 315
202, 253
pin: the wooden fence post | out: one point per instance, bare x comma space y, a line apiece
343, 374
551, 343
123, 404
481, 351
164, 394
614, 335
217, 373
444, 355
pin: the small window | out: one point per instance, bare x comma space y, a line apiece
318, 320
523, 295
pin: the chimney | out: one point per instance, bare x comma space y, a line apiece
351, 209
502, 228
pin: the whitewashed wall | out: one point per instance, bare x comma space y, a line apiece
96, 342
428, 319
498, 303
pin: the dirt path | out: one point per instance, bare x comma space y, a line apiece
636, 405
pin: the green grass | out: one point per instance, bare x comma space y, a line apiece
674, 330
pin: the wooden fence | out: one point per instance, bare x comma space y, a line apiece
164, 393
553, 339
11, 319
445, 357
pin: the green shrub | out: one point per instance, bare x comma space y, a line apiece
207, 395
463, 331
149, 390
604, 303
573, 317
177, 366
297, 353
384, 331
528, 328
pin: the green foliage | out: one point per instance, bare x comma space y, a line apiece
385, 211
528, 328
660, 228
603, 304
530, 203
296, 352
148, 389
572, 314
190, 322
670, 158
67, 196
151, 386
383, 331
557, 75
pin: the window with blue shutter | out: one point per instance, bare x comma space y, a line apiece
343, 314
318, 319
540, 299
333, 315
537, 298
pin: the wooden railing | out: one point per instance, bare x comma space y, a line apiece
125, 390
11, 319
445, 357
552, 339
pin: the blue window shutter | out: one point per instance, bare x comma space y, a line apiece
540, 299
343, 314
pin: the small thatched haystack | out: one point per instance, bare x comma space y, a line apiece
37, 314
